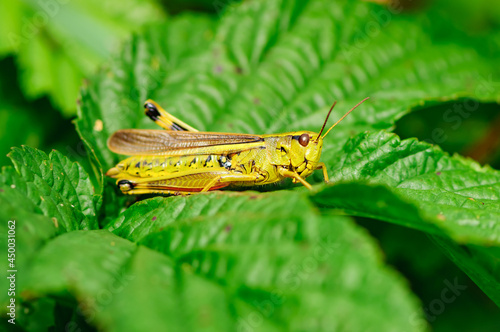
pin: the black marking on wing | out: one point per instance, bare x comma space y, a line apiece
152, 111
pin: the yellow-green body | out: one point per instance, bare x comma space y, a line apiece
192, 173
181, 160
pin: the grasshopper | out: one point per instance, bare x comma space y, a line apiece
181, 160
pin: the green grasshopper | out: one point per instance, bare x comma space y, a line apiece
181, 160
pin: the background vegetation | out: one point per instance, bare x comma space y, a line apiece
90, 258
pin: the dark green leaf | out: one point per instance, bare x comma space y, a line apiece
43, 196
229, 262
482, 264
417, 185
455, 193
29, 228
277, 65
60, 189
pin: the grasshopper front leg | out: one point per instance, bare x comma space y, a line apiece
294, 175
322, 166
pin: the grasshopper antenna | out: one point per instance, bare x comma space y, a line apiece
342, 118
327, 116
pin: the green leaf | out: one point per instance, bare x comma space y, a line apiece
481, 263
53, 186
36, 124
109, 287
43, 196
85, 267
226, 262
276, 66
31, 229
58, 43
417, 185
455, 193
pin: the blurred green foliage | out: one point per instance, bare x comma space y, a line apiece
41, 74
58, 42
31, 122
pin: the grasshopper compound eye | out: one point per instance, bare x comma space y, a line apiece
304, 139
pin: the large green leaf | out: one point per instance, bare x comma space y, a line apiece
43, 196
59, 42
226, 262
455, 193
59, 188
417, 185
275, 66
31, 229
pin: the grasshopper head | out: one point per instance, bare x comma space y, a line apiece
306, 146
305, 152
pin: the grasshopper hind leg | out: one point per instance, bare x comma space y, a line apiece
131, 188
186, 184
125, 185
164, 119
